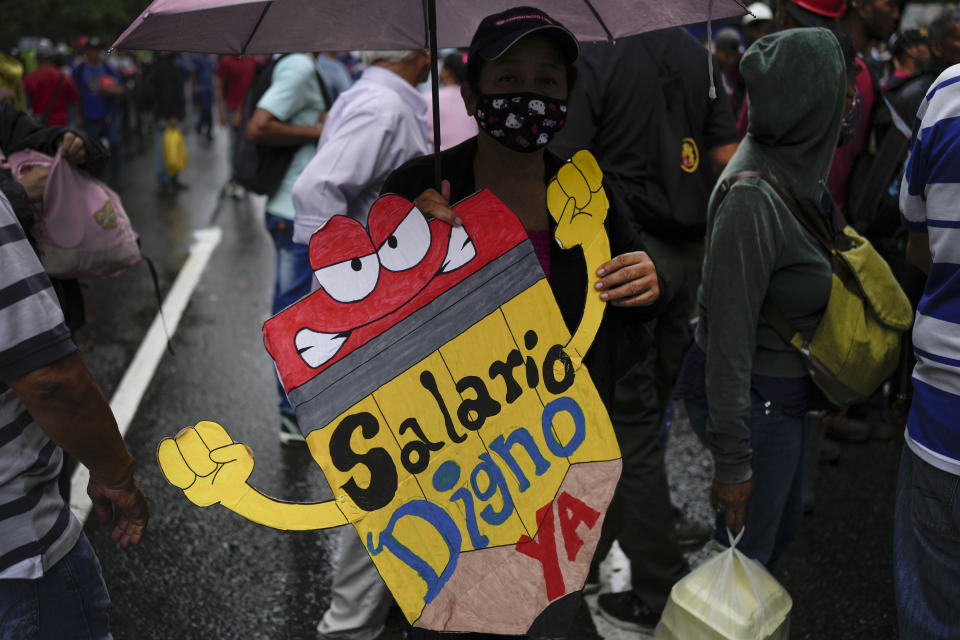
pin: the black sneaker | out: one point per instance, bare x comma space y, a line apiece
290, 431
625, 611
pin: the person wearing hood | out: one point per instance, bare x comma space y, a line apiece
754, 387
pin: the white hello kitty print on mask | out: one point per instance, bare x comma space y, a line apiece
521, 121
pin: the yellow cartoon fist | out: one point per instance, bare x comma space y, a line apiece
207, 464
577, 201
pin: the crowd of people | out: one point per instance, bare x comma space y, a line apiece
816, 114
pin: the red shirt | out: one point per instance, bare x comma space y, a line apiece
40, 85
236, 74
846, 156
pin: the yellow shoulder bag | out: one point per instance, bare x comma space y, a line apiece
856, 346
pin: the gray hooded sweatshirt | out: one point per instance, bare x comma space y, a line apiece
755, 248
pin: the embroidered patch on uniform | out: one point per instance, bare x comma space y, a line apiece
689, 155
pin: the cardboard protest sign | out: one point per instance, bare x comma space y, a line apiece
445, 401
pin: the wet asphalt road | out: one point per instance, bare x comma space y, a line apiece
204, 573
207, 573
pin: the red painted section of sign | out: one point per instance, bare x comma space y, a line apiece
490, 225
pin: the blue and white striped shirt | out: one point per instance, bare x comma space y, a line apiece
36, 526
930, 204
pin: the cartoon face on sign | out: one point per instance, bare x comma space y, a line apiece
444, 399
365, 275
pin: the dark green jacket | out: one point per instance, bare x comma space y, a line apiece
755, 248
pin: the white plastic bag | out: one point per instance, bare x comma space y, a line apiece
728, 597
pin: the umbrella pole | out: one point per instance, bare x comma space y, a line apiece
434, 88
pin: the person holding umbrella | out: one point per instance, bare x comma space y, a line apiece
524, 59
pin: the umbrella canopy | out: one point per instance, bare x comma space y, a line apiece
278, 26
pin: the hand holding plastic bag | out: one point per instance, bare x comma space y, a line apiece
728, 597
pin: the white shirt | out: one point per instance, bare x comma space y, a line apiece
373, 128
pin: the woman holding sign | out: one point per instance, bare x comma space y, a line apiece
519, 72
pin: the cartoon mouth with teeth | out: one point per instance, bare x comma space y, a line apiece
375, 276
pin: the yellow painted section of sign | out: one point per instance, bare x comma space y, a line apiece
488, 340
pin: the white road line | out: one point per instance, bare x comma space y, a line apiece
137, 378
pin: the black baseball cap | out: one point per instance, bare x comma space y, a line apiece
500, 31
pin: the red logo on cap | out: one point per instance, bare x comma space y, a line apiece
524, 16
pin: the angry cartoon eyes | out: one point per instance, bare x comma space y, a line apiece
354, 279
408, 244
350, 280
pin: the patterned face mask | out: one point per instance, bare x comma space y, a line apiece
521, 122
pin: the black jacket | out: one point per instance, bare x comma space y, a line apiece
619, 341
165, 87
873, 202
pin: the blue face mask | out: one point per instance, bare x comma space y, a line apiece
521, 122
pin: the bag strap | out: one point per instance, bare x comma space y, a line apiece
770, 310
787, 199
53, 100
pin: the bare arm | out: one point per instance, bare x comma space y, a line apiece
264, 128
67, 403
918, 251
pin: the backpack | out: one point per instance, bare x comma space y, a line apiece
856, 345
873, 194
261, 168
81, 228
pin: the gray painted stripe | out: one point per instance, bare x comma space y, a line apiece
362, 372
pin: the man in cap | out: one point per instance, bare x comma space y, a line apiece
757, 23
